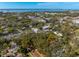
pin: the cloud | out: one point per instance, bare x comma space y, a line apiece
48, 4
62, 5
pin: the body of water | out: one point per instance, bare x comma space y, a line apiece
32, 10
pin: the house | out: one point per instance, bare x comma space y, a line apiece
76, 21
57, 33
31, 17
45, 28
35, 30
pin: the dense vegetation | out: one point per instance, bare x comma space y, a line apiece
23, 33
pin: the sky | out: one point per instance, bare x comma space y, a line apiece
47, 5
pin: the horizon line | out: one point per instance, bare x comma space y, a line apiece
35, 9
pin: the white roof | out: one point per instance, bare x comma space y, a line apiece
76, 21
44, 27
41, 20
35, 30
57, 33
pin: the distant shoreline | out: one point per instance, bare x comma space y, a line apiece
37, 10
